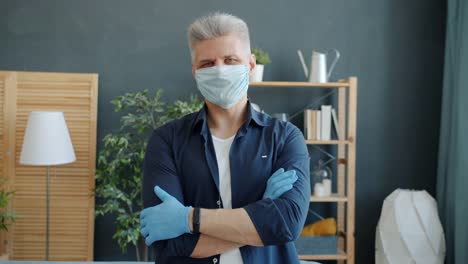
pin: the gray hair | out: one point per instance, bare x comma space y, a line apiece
217, 25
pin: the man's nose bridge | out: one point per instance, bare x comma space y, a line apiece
219, 62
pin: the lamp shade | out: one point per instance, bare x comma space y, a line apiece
409, 230
46, 140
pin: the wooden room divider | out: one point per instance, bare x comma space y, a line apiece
71, 185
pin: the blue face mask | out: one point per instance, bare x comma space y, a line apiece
223, 85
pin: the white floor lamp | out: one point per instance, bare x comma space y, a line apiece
46, 143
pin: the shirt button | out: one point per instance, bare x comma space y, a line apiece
218, 202
215, 260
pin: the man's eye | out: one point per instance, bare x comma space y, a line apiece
206, 64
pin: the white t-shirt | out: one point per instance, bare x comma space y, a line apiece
222, 147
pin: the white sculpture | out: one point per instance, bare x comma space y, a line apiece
409, 230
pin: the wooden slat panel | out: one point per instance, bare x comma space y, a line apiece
9, 117
2, 147
2, 125
71, 185
67, 220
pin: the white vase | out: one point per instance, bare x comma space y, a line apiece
257, 75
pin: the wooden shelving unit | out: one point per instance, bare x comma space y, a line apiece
326, 142
346, 168
341, 255
332, 198
298, 84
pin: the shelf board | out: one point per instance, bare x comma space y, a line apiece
331, 199
341, 255
326, 142
299, 84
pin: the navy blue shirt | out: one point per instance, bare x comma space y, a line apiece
180, 158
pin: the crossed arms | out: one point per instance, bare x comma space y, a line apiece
265, 222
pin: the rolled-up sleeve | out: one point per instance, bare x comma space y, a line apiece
159, 169
281, 220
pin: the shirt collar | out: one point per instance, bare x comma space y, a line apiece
259, 118
252, 115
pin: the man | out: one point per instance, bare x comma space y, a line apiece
226, 184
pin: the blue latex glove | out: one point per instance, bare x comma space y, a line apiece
280, 182
166, 220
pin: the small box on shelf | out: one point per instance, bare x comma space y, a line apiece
317, 245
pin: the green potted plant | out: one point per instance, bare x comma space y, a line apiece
262, 58
119, 171
7, 217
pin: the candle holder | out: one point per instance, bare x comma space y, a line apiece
322, 176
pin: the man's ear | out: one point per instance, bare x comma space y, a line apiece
252, 64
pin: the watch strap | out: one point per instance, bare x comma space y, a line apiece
196, 220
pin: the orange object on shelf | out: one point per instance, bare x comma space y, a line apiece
325, 227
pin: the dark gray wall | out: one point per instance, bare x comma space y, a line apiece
394, 47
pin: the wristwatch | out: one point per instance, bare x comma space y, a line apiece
196, 220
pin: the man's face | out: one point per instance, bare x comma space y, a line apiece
226, 50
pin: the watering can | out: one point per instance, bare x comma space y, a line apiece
318, 66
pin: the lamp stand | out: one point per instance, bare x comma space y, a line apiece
47, 212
